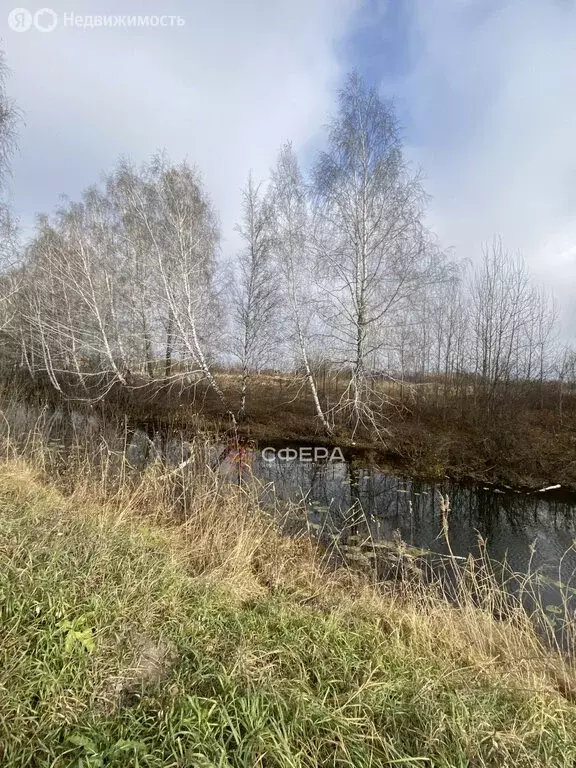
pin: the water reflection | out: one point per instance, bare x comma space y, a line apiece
530, 531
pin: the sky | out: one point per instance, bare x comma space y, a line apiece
484, 89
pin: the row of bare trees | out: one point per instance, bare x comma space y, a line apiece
121, 282
127, 286
488, 321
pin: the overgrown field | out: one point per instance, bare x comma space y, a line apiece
135, 633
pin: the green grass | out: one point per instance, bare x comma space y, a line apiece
118, 647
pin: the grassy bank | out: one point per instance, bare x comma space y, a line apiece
134, 635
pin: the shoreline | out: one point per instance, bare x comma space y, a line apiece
383, 459
524, 451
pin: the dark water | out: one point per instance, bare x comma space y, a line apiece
532, 532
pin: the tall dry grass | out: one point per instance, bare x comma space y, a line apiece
161, 571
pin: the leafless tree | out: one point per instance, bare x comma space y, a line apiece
501, 295
75, 301
255, 293
373, 248
124, 286
541, 337
179, 227
294, 260
124, 279
9, 250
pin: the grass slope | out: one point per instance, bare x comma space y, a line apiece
124, 643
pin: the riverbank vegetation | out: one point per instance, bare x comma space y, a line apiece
339, 310
161, 618
430, 428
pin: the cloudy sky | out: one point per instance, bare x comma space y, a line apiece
485, 90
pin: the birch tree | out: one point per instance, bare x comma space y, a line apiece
373, 249
501, 299
294, 260
9, 117
10, 279
255, 296
123, 280
74, 299
177, 227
